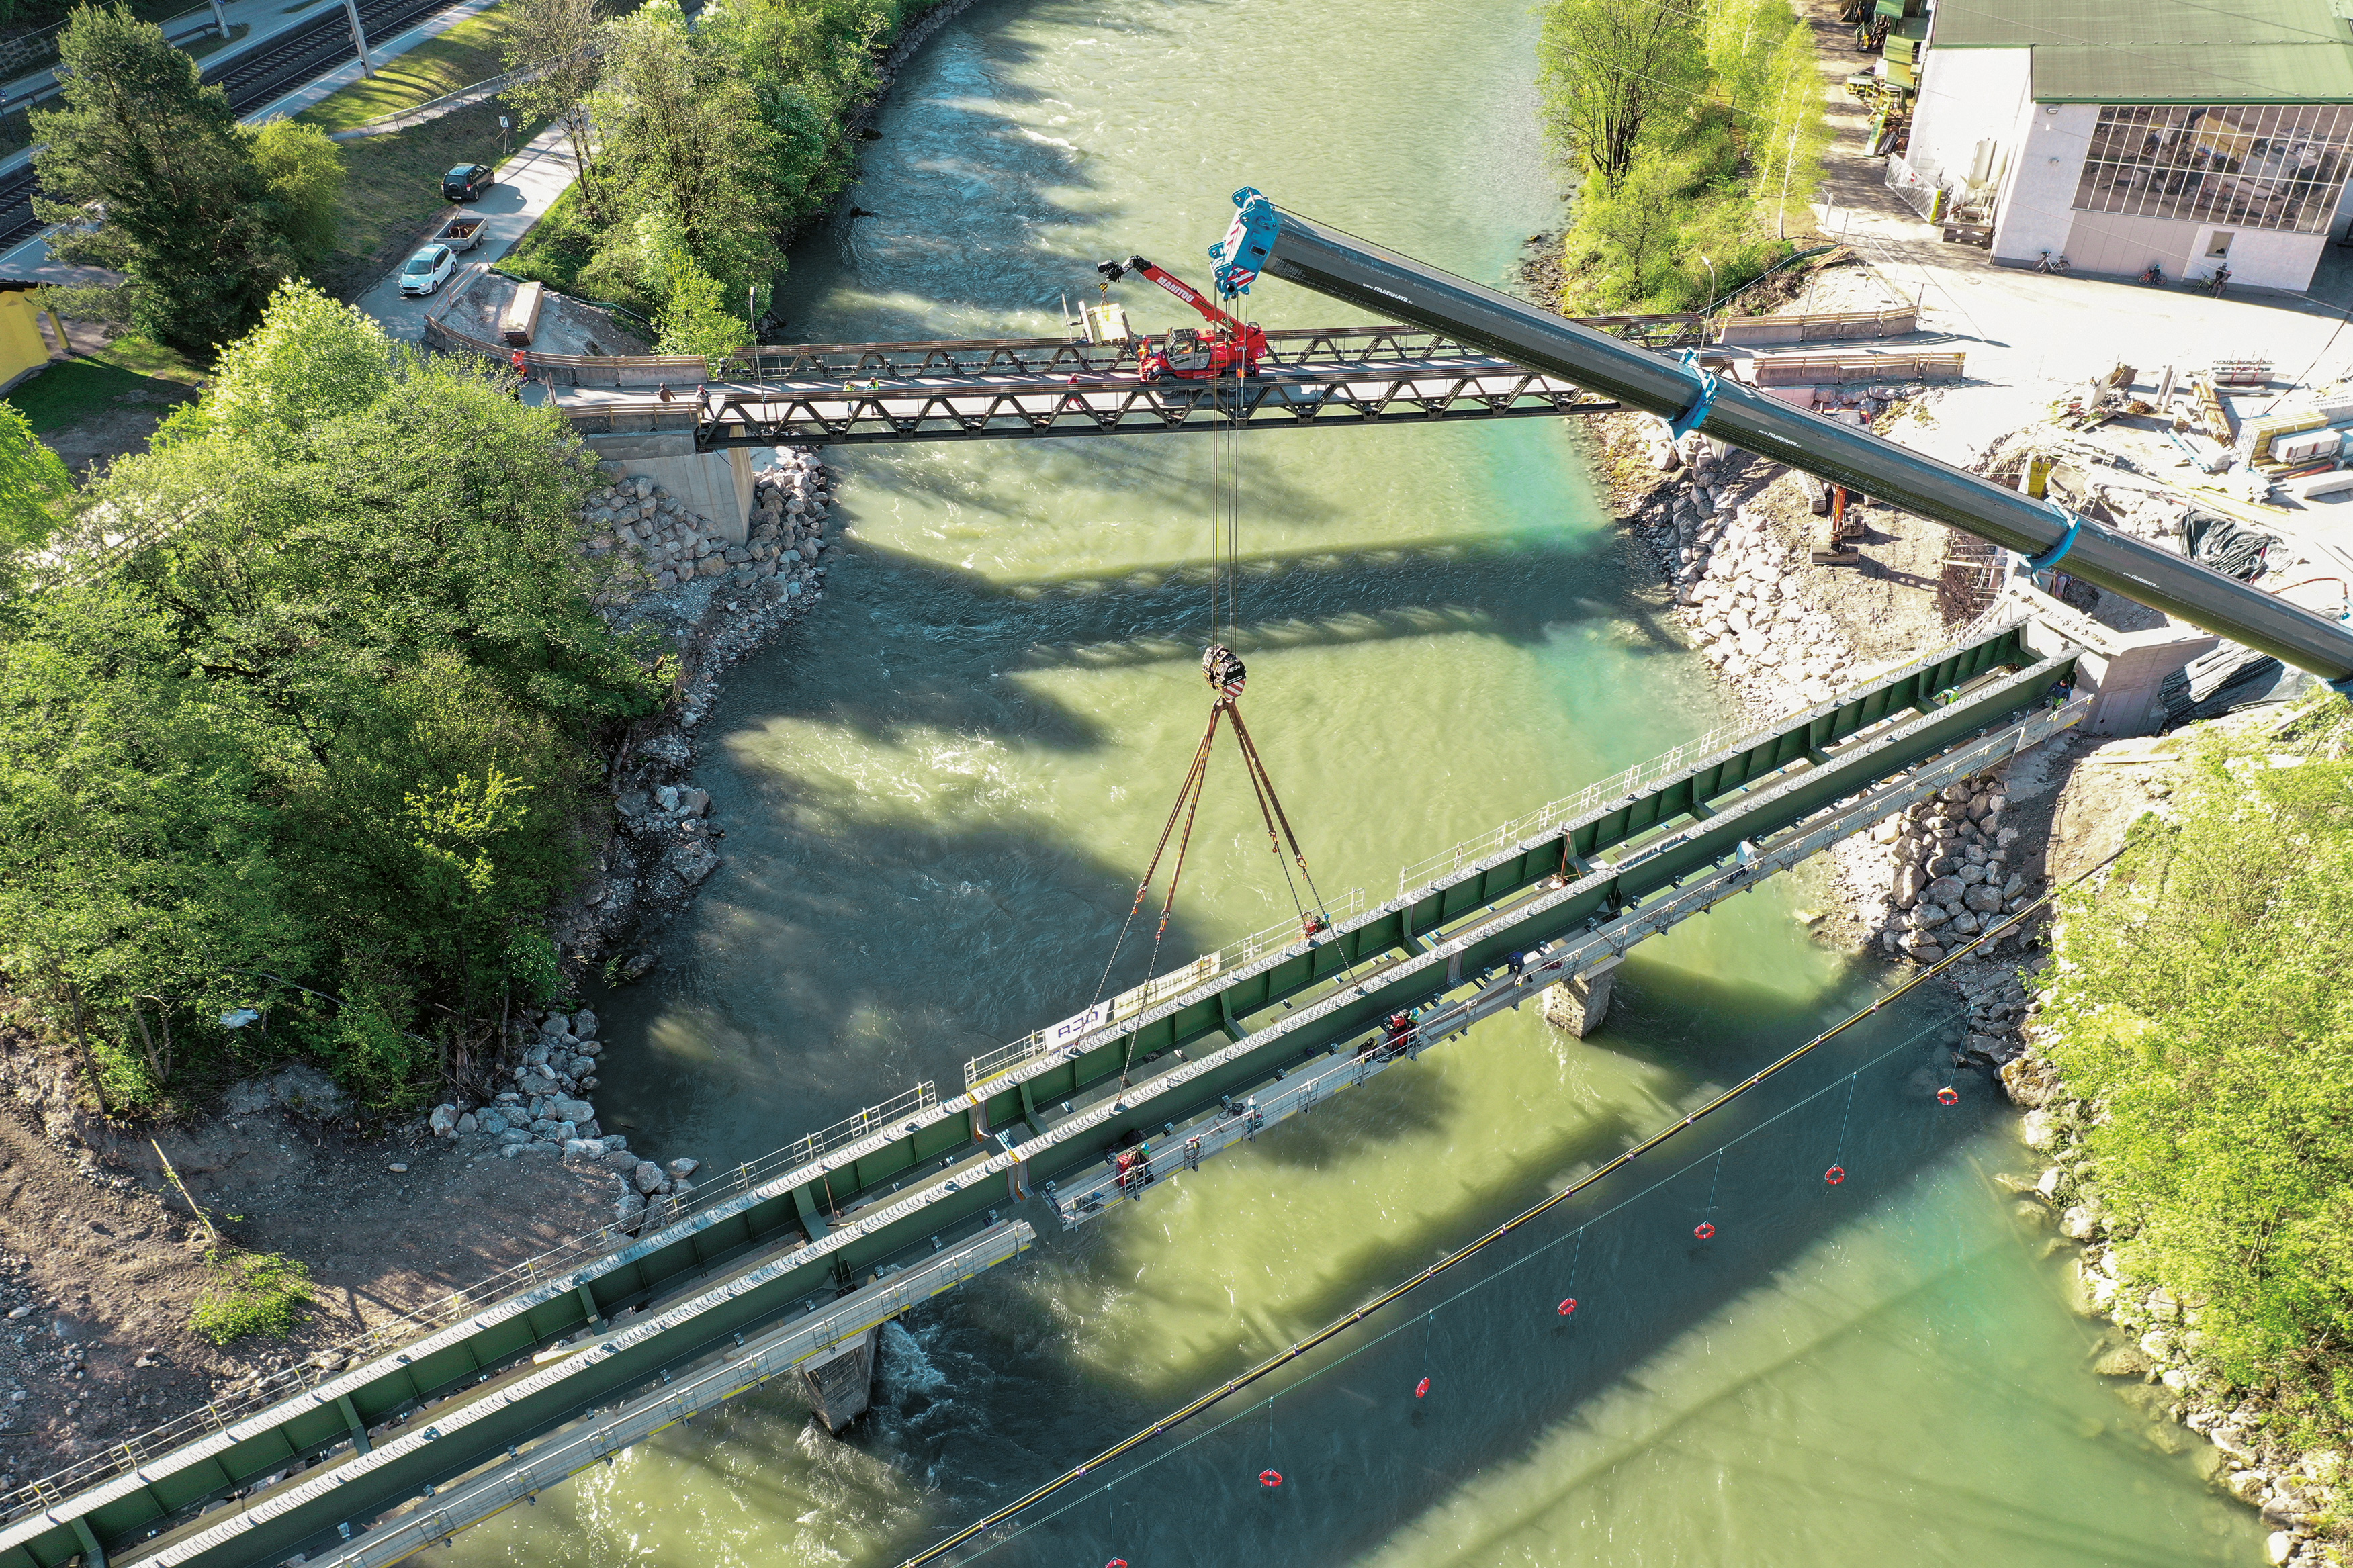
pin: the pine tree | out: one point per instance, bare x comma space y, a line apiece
187, 213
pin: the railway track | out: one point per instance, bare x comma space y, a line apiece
251, 80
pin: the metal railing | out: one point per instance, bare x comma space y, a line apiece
1151, 994
223, 1412
671, 1402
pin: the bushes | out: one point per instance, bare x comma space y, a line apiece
251, 1293
321, 747
2201, 1005
1698, 130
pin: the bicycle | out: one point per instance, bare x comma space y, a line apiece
2052, 263
2154, 277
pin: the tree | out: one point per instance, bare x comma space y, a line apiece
1635, 227
555, 50
188, 213
304, 174
694, 317
33, 480
1789, 141
1741, 36
1612, 69
311, 359
684, 135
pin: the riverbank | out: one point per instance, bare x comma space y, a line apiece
1728, 535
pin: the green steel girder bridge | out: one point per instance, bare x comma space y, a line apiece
590, 1350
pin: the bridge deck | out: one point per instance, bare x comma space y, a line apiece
966, 403
796, 1227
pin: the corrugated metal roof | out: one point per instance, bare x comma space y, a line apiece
2193, 73
2165, 51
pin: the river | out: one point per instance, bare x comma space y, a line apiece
940, 791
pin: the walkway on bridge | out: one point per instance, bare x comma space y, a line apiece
990, 389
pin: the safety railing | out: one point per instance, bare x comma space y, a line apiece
1151, 993
675, 1399
586, 1247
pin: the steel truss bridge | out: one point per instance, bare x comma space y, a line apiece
516, 1385
991, 389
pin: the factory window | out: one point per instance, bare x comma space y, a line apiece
2276, 166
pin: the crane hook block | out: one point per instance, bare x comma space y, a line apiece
1222, 668
1247, 240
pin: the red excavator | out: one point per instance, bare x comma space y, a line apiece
1190, 354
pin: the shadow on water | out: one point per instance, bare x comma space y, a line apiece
987, 1400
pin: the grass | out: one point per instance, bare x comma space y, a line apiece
73, 390
250, 1293
466, 54
557, 247
392, 191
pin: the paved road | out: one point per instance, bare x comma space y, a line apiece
528, 184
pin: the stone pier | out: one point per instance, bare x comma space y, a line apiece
1579, 1003
840, 1383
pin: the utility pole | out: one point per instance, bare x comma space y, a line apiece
359, 36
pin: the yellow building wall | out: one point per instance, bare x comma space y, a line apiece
22, 347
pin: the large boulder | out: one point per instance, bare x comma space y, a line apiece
444, 1121
647, 1176
1944, 891
1908, 883
1982, 899
572, 1109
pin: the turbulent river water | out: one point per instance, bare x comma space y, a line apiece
939, 794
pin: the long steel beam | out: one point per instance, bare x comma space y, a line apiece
1332, 262
801, 1228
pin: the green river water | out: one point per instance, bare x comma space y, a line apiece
939, 792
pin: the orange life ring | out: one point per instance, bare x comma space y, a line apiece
1704, 1231
1835, 1174
1270, 1478
1569, 1306
1422, 1389
1948, 1096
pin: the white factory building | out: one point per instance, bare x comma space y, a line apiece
2122, 133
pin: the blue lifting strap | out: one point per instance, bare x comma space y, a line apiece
1683, 424
2038, 565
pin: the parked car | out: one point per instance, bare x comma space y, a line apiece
467, 182
427, 269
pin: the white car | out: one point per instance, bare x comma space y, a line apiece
427, 269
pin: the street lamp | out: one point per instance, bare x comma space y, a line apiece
1704, 261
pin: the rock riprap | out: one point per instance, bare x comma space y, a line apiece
548, 1113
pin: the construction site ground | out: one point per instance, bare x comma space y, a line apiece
101, 1260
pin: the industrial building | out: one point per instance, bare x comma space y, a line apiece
2185, 136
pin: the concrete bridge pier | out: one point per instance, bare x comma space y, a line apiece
1579, 1003
840, 1383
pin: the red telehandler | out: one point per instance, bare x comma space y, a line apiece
1191, 353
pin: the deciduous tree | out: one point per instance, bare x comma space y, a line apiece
1612, 70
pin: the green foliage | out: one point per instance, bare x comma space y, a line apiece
694, 317
330, 727
2201, 1004
189, 216
251, 1293
304, 175
1694, 127
717, 140
1615, 71
33, 480
309, 359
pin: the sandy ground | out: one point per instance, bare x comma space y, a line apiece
103, 1260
